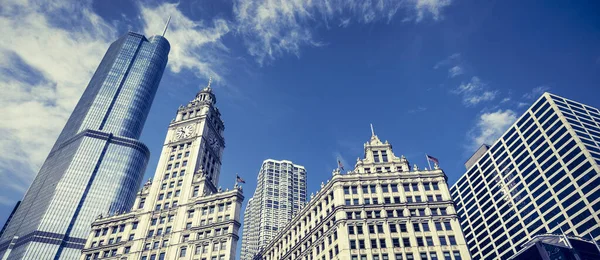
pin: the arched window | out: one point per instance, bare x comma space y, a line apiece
183, 252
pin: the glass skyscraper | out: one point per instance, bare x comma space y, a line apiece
97, 163
280, 193
541, 176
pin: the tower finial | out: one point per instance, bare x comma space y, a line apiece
372, 131
209, 81
166, 26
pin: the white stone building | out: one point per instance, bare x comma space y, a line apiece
180, 213
381, 210
280, 193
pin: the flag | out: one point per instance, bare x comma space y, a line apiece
239, 179
340, 165
433, 159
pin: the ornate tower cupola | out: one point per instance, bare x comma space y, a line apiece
379, 158
206, 94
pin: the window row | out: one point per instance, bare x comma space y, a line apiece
179, 156
169, 195
409, 256
408, 187
171, 184
401, 242
391, 200
176, 165
401, 227
174, 175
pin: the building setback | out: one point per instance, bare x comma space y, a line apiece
97, 163
180, 213
552, 247
280, 193
381, 210
539, 177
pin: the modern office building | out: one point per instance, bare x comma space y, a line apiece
96, 165
12, 213
249, 232
558, 247
381, 210
181, 213
280, 193
539, 177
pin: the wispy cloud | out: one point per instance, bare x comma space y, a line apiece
417, 110
475, 92
344, 22
455, 71
194, 45
273, 28
43, 70
536, 92
454, 64
42, 77
449, 61
490, 126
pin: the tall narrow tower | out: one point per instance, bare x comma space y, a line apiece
180, 213
97, 163
280, 194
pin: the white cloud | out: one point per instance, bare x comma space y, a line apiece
490, 126
454, 63
43, 71
45, 64
536, 92
455, 71
417, 110
194, 45
271, 28
451, 60
475, 92
6, 201
344, 22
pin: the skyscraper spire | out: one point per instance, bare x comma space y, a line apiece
372, 131
166, 26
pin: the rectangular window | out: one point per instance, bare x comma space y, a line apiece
443, 240
452, 240
416, 227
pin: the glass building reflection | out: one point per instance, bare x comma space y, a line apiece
96, 165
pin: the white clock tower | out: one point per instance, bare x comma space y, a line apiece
198, 125
180, 213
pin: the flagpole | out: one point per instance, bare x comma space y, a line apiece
566, 238
595, 243
428, 162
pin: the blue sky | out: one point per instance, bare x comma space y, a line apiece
301, 80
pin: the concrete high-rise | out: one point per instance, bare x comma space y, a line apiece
540, 176
181, 213
97, 163
280, 193
381, 210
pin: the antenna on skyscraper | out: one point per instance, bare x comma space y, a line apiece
166, 26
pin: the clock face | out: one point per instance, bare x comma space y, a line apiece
184, 132
214, 143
